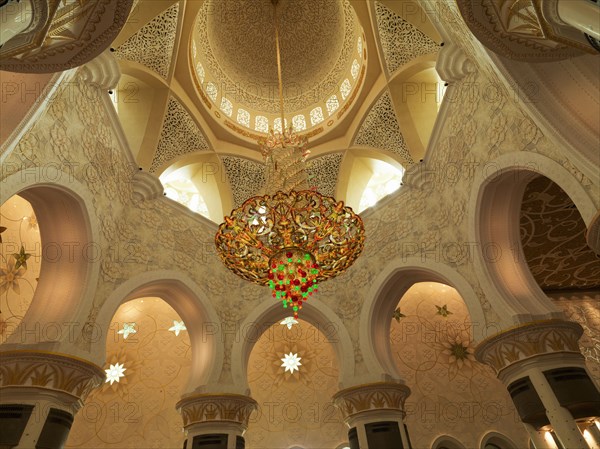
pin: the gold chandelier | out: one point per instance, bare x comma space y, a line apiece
292, 239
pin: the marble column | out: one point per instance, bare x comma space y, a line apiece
544, 371
219, 418
40, 393
375, 415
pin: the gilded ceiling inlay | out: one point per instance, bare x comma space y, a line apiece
152, 45
180, 135
246, 177
553, 238
381, 130
401, 42
323, 173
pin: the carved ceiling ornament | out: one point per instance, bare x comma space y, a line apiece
520, 29
51, 371
380, 130
246, 177
152, 46
323, 172
401, 42
180, 135
529, 340
64, 35
216, 408
376, 396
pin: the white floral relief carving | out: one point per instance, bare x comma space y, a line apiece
180, 135
323, 173
246, 177
401, 42
152, 45
381, 130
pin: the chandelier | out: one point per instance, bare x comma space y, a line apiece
291, 237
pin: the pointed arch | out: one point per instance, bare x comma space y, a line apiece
182, 294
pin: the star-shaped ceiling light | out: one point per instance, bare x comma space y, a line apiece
21, 258
291, 362
128, 328
397, 314
177, 327
443, 311
289, 322
114, 373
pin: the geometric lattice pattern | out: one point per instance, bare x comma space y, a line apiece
152, 45
246, 177
401, 42
179, 135
323, 173
381, 130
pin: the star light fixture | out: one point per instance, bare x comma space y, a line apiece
177, 327
291, 362
128, 329
293, 237
289, 322
114, 373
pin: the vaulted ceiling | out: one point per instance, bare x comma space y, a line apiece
189, 95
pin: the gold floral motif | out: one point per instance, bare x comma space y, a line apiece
554, 239
528, 340
49, 371
209, 407
375, 396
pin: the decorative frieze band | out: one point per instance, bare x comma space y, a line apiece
216, 407
376, 396
529, 340
51, 371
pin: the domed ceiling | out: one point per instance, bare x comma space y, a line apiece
234, 57
199, 88
241, 37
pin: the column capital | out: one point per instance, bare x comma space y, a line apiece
377, 396
26, 370
214, 407
527, 341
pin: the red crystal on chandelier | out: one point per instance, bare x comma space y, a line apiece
293, 278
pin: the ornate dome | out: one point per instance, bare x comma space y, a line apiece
234, 59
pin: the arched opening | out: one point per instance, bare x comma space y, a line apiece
200, 183
293, 372
566, 269
367, 176
148, 362
447, 442
495, 219
381, 302
495, 440
67, 254
20, 262
431, 340
180, 293
268, 314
